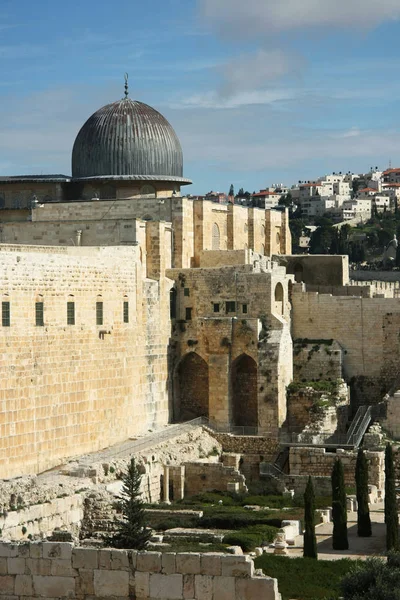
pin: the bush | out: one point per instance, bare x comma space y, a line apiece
372, 580
251, 537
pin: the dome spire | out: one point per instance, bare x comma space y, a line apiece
126, 85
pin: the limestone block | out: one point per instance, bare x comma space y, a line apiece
23, 550
111, 583
15, 566
149, 561
54, 587
234, 550
85, 558
3, 566
119, 560
142, 585
104, 558
38, 566
210, 563
263, 587
188, 586
23, 585
61, 550
166, 586
188, 563
203, 585
224, 588
132, 558
168, 563
8, 550
6, 584
62, 568
237, 566
84, 583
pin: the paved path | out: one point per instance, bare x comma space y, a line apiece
359, 548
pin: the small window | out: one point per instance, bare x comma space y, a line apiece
39, 314
70, 313
5, 314
126, 311
216, 307
244, 309
99, 313
230, 307
188, 315
186, 292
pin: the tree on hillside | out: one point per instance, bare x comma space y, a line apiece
310, 540
231, 190
363, 518
286, 200
391, 515
339, 513
131, 530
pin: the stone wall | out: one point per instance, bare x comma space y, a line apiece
367, 330
317, 359
317, 462
248, 444
317, 269
60, 570
68, 389
208, 477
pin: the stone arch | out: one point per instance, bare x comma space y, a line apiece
298, 273
244, 391
191, 388
215, 237
279, 298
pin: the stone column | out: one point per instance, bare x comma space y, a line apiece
166, 484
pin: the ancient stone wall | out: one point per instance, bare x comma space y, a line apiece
208, 477
316, 269
366, 329
60, 570
318, 462
316, 360
74, 382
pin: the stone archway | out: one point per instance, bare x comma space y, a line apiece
279, 299
244, 391
298, 273
191, 388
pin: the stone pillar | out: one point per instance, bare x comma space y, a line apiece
166, 484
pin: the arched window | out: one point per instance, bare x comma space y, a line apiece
298, 273
215, 237
278, 239
279, 299
244, 391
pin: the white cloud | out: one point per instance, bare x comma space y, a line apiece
255, 17
236, 100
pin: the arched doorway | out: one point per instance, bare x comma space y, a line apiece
298, 273
244, 391
191, 388
215, 237
279, 299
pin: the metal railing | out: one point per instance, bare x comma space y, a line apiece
271, 470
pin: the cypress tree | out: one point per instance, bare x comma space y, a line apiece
363, 518
131, 530
310, 540
391, 516
339, 513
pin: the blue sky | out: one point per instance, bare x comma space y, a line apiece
259, 91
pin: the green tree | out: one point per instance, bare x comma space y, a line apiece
373, 579
363, 518
286, 200
231, 190
310, 540
339, 513
131, 530
391, 515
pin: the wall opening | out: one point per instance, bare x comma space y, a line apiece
244, 391
215, 237
191, 388
298, 273
279, 299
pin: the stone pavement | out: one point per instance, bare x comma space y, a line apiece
359, 548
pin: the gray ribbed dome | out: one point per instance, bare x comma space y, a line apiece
127, 139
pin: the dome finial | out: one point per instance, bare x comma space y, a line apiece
126, 85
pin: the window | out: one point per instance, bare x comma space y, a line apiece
99, 313
244, 309
5, 314
186, 292
216, 307
172, 303
70, 313
39, 314
126, 311
188, 314
230, 307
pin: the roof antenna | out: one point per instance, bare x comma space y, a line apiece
126, 85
